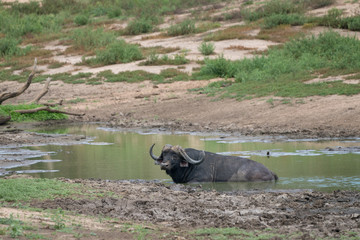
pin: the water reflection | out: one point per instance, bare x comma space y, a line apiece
118, 154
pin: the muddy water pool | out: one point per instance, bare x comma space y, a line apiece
117, 154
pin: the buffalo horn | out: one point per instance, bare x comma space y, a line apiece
189, 159
152, 155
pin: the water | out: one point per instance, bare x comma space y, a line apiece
121, 155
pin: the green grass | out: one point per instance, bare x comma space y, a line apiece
117, 52
26, 189
334, 19
139, 26
9, 47
38, 116
165, 76
272, 7
283, 70
206, 48
90, 39
177, 59
266, 234
23, 189
185, 27
81, 19
235, 233
293, 19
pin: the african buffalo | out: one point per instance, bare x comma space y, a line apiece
191, 165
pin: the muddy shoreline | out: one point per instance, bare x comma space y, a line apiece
188, 206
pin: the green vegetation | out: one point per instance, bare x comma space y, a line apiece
236, 233
9, 47
183, 28
15, 227
38, 116
81, 19
335, 19
139, 26
207, 48
293, 19
117, 52
177, 59
90, 39
167, 75
23, 189
271, 8
283, 70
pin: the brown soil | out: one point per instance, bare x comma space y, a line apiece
173, 211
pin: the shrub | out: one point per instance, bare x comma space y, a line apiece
332, 18
279, 19
353, 23
219, 67
118, 52
183, 28
139, 26
207, 48
88, 38
81, 19
15, 25
272, 7
8, 47
114, 12
154, 59
54, 7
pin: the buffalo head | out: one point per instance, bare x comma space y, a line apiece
175, 156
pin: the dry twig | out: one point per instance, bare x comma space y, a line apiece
8, 95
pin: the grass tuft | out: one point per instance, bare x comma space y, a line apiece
89, 39
206, 48
117, 52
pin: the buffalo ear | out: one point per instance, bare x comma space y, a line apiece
184, 164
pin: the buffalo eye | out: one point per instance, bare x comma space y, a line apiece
174, 157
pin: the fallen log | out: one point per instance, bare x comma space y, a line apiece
48, 109
7, 95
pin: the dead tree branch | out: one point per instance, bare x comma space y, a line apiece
8, 95
46, 108
43, 92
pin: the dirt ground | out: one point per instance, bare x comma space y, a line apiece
150, 210
169, 212
179, 206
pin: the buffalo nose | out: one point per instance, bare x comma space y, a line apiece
164, 164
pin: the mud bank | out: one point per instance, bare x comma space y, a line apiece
311, 214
